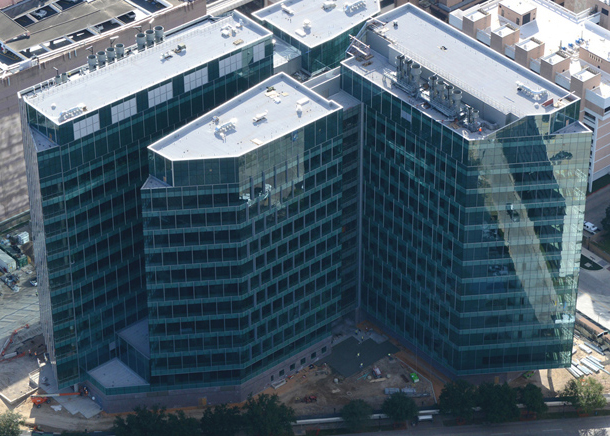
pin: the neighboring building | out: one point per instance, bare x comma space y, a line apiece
319, 29
242, 226
567, 48
472, 199
32, 48
85, 147
7, 263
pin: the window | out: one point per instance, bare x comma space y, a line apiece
604, 11
86, 126
123, 110
230, 64
292, 367
313, 355
160, 94
195, 79
282, 373
323, 350
259, 51
303, 360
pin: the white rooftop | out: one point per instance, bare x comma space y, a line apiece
138, 71
275, 111
326, 22
462, 61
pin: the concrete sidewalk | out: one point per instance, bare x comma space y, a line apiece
594, 291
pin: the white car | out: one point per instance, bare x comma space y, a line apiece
41, 13
590, 227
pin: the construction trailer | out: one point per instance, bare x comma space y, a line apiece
7, 263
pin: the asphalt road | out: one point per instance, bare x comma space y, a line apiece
592, 426
595, 209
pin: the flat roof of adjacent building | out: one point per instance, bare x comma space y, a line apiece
69, 21
460, 60
276, 111
142, 70
326, 22
115, 374
556, 26
521, 7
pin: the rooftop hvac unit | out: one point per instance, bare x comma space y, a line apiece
72, 112
328, 5
351, 7
288, 10
229, 125
307, 24
260, 117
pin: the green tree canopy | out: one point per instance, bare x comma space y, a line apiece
498, 402
533, 400
399, 407
223, 421
155, 422
458, 398
585, 394
356, 414
9, 423
606, 220
266, 416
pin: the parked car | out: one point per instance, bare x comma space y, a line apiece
414, 377
34, 281
40, 13
590, 227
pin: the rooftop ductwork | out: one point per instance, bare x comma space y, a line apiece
92, 61
150, 37
101, 58
120, 51
141, 41
110, 54
159, 34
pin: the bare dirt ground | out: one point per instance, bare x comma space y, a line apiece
331, 396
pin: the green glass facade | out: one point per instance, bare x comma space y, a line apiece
243, 257
472, 247
87, 187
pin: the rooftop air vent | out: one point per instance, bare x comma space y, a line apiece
307, 24
260, 117
288, 10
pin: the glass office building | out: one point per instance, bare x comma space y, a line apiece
85, 142
472, 211
242, 225
318, 29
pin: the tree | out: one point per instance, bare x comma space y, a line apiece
9, 423
498, 402
155, 422
585, 394
606, 220
266, 416
458, 398
356, 414
399, 407
531, 397
223, 421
